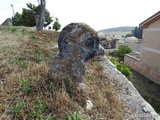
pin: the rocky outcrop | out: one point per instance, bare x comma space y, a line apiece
77, 43
108, 44
135, 107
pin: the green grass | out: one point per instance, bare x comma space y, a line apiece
122, 68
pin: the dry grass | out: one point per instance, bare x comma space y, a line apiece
27, 92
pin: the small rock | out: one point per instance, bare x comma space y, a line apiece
89, 105
82, 85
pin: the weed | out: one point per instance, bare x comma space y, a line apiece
23, 64
49, 117
25, 85
122, 68
90, 77
33, 36
74, 116
17, 108
39, 58
38, 108
5, 107
13, 29
22, 58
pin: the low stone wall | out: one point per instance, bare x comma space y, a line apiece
146, 70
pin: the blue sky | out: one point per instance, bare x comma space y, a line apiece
99, 14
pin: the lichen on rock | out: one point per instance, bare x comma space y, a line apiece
77, 43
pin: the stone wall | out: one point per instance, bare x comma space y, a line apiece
145, 69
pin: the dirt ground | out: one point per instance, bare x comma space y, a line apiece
148, 89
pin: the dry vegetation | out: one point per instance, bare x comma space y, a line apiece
28, 93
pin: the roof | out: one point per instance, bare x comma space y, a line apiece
131, 39
150, 20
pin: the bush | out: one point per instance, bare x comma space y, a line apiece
122, 68
122, 50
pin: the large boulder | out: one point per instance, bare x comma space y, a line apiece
77, 43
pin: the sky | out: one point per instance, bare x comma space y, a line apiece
99, 14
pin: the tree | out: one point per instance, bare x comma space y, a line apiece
138, 32
27, 18
41, 15
56, 25
17, 20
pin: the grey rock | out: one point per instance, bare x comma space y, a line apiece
77, 43
108, 44
100, 51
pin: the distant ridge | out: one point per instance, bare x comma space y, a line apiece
116, 29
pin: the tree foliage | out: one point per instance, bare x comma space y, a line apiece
27, 18
138, 32
122, 50
56, 25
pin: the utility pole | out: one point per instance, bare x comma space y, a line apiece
12, 9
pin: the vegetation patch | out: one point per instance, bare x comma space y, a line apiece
122, 68
122, 50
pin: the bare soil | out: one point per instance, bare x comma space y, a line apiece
148, 89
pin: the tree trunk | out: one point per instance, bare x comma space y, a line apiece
41, 16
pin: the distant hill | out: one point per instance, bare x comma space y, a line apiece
117, 29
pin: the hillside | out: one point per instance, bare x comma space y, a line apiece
117, 29
116, 32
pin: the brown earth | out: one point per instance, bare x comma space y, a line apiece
148, 89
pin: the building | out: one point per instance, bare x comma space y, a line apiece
151, 41
148, 62
131, 39
131, 42
7, 22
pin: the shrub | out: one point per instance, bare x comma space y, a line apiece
122, 50
122, 68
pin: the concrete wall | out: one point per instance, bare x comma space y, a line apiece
143, 68
151, 45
